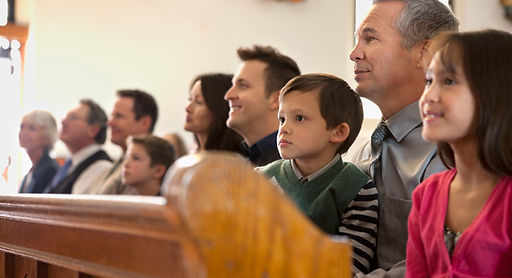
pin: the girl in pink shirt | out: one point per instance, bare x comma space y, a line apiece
460, 224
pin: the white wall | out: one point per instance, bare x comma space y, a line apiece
92, 48
478, 14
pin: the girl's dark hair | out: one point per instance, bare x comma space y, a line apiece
485, 57
220, 137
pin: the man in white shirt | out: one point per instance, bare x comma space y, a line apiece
83, 131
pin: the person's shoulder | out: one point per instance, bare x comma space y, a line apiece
437, 178
47, 165
270, 167
101, 154
358, 151
112, 184
102, 163
354, 171
433, 184
269, 156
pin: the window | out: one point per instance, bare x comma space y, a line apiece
12, 45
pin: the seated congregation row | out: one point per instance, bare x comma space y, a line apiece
145, 158
296, 127
90, 170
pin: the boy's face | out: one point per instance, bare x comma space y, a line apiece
137, 167
303, 133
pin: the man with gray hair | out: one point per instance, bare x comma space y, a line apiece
83, 131
392, 42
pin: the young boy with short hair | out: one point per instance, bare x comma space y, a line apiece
320, 117
146, 161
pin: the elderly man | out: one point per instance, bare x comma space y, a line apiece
84, 130
392, 41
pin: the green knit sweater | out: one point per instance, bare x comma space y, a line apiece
326, 197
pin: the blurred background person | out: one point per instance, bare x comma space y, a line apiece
38, 133
145, 164
178, 144
207, 113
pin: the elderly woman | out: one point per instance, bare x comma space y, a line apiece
38, 133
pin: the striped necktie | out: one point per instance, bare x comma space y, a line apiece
379, 134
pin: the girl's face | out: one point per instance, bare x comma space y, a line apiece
199, 117
447, 106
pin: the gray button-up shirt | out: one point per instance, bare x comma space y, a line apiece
406, 160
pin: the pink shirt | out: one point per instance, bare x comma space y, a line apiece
484, 248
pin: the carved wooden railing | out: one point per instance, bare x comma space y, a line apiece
218, 219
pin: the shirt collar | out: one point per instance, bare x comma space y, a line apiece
404, 121
303, 179
83, 154
261, 147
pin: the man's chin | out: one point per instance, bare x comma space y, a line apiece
231, 123
361, 90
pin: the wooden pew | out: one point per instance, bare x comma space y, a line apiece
92, 236
218, 219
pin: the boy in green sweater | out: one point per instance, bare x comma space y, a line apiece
320, 117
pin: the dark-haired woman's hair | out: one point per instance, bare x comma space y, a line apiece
220, 137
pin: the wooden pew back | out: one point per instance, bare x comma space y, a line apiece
246, 227
92, 236
218, 219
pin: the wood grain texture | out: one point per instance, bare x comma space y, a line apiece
246, 227
218, 219
108, 236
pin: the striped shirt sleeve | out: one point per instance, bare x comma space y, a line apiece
359, 224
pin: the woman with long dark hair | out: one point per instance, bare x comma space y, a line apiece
207, 113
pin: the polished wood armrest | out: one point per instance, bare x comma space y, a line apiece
100, 236
218, 218
245, 227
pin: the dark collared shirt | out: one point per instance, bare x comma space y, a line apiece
264, 151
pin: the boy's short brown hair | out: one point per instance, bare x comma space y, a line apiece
338, 102
159, 150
